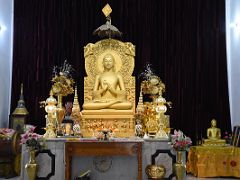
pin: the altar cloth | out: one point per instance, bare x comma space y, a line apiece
207, 161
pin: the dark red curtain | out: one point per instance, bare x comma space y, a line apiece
183, 40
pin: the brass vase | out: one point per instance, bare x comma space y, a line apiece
179, 168
155, 171
31, 167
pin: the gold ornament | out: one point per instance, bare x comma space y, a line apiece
50, 108
155, 171
156, 123
107, 10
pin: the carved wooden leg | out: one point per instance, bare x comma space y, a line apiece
68, 167
139, 161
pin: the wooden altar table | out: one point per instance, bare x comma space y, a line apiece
102, 148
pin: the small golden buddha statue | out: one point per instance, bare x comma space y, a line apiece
109, 90
214, 135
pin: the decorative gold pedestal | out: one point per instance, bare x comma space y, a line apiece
120, 122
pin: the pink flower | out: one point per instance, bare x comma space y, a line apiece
35, 136
177, 133
25, 137
31, 139
31, 129
179, 141
23, 141
6, 131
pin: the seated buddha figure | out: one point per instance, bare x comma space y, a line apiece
214, 135
109, 90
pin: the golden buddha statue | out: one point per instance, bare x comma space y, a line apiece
214, 135
109, 90
109, 87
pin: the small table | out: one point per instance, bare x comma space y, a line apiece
102, 148
209, 161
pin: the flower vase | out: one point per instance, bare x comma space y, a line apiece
31, 167
179, 168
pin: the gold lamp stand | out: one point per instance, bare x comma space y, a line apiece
50, 108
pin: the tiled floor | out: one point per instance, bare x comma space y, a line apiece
189, 177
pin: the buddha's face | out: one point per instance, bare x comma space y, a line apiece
214, 123
108, 62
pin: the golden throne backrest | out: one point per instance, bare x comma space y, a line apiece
123, 52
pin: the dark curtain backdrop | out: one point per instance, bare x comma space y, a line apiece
183, 40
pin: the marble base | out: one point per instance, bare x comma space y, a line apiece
102, 168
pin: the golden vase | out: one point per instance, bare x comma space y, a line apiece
179, 168
31, 167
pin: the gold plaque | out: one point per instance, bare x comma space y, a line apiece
107, 10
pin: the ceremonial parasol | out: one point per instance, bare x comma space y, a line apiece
107, 29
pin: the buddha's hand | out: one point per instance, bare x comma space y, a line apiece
103, 90
111, 89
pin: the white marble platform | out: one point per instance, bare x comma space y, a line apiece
121, 168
